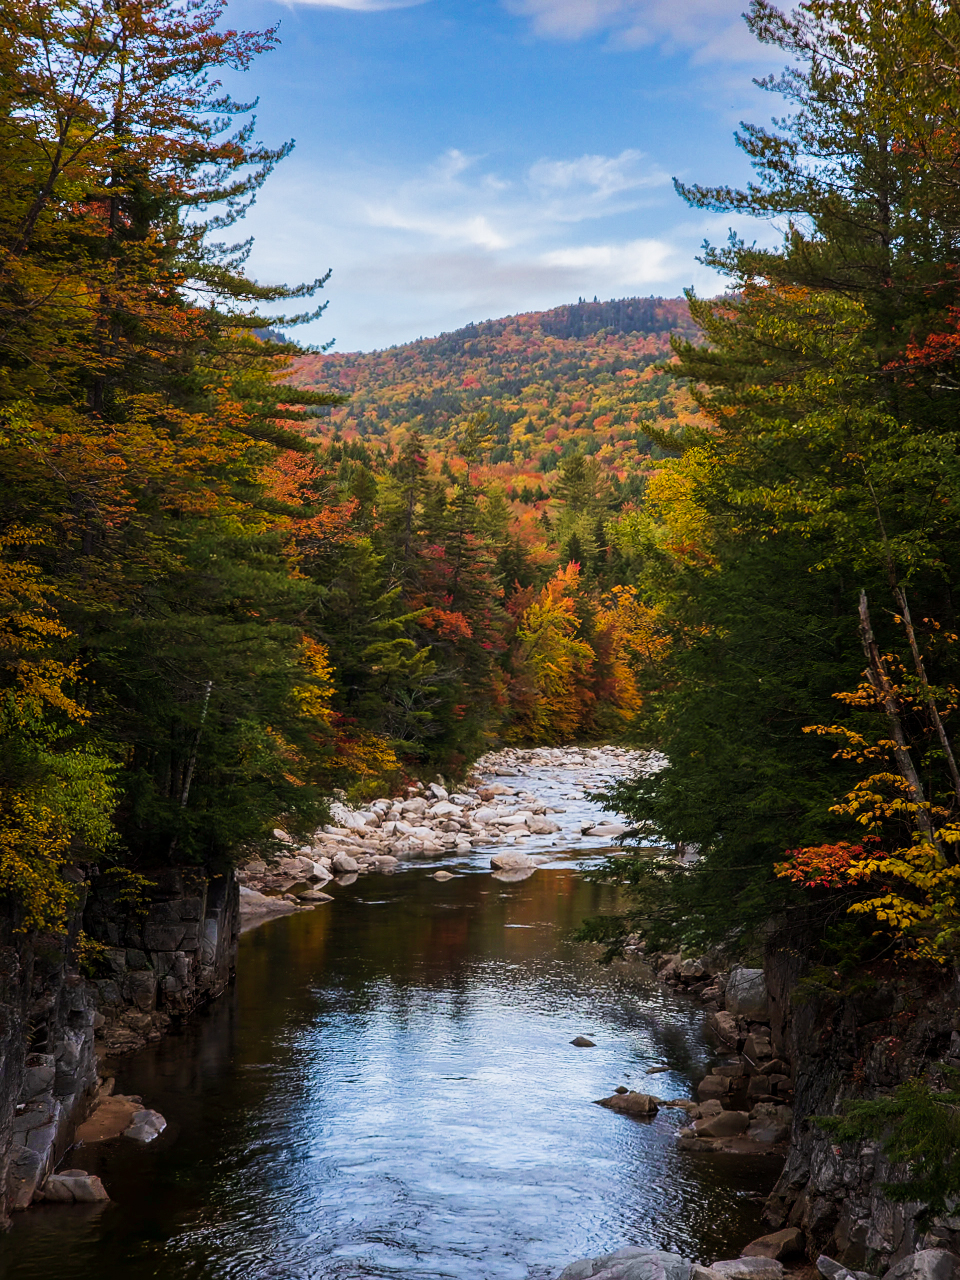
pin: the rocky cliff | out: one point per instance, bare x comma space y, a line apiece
163, 960
887, 1028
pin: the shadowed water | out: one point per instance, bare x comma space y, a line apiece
390, 1090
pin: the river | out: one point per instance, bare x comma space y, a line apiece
389, 1090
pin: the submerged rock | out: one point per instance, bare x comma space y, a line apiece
631, 1104
145, 1126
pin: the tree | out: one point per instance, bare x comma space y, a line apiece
820, 471
139, 412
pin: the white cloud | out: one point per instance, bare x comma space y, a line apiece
632, 264
604, 175
713, 29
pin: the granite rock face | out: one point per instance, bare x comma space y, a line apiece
48, 1072
850, 1046
54, 1022
167, 963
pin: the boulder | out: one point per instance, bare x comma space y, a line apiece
510, 861
145, 1126
631, 1263
713, 1087
583, 1042
725, 1125
758, 1048
606, 831
74, 1186
444, 809
746, 994
316, 895
485, 815
442, 875
542, 826
768, 1129
928, 1264
631, 1104
417, 806
343, 863
837, 1271
724, 1025
787, 1243
253, 903
26, 1170
748, 1269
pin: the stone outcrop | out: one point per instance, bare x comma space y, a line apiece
631, 1263
165, 962
892, 1028
158, 963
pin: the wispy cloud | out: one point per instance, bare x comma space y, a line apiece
712, 29
459, 199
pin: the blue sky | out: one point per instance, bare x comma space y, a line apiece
459, 160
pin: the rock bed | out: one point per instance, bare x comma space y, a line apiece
745, 1099
431, 822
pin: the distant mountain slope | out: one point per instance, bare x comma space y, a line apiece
578, 378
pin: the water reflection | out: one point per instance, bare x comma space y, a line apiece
390, 1091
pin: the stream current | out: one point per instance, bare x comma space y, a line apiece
389, 1090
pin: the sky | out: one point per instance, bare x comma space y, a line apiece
461, 160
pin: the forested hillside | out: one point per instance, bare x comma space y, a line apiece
583, 378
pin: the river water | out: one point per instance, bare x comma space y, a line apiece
389, 1091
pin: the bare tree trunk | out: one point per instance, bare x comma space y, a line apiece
877, 675
191, 764
901, 597
196, 744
